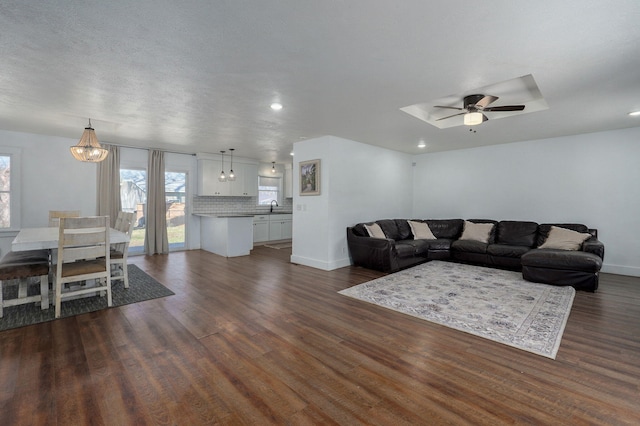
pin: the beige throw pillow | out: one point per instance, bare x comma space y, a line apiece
421, 231
476, 231
375, 231
564, 239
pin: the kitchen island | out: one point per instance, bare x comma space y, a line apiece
226, 235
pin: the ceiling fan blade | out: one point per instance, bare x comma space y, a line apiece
449, 116
448, 107
505, 108
486, 101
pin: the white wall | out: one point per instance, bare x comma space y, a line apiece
359, 183
51, 179
592, 179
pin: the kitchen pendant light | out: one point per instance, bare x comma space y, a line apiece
273, 167
88, 148
223, 177
232, 176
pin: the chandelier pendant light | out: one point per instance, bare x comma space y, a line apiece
88, 148
223, 177
232, 176
273, 167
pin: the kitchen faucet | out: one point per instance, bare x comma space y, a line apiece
271, 209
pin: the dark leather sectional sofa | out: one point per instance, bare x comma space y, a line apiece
511, 245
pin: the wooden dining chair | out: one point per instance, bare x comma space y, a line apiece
55, 215
125, 222
18, 268
83, 255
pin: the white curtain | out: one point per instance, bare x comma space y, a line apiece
156, 240
108, 193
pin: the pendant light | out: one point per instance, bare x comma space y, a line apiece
223, 177
88, 148
232, 176
273, 167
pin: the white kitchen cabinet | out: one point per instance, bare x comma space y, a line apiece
272, 227
208, 184
275, 231
245, 185
280, 227
260, 228
287, 229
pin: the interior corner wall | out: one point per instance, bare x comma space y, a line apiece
590, 178
359, 183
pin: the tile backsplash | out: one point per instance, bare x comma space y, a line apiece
213, 205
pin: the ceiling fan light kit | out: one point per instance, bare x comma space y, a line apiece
473, 118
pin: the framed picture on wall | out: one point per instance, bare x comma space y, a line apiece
310, 177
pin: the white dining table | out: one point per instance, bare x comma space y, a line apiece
47, 238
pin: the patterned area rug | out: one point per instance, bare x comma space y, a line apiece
141, 287
491, 303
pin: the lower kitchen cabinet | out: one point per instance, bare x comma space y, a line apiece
272, 227
260, 228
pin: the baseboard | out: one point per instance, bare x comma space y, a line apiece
631, 271
319, 264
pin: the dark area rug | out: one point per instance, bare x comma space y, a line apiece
141, 287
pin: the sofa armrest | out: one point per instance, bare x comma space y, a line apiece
595, 246
373, 253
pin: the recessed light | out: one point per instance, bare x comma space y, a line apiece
422, 144
634, 113
276, 106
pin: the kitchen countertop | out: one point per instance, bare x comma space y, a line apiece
241, 214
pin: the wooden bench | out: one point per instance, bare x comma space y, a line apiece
19, 267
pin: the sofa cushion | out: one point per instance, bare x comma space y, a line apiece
516, 233
405, 250
545, 228
477, 231
446, 228
562, 259
421, 231
390, 228
507, 250
374, 231
404, 230
439, 244
420, 247
469, 246
359, 230
564, 239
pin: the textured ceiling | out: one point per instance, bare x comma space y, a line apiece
199, 76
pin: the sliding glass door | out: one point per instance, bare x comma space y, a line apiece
175, 184
133, 194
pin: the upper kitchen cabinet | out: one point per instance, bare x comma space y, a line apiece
209, 168
248, 186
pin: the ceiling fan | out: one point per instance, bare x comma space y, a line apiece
474, 107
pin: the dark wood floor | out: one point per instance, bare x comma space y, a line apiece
257, 340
